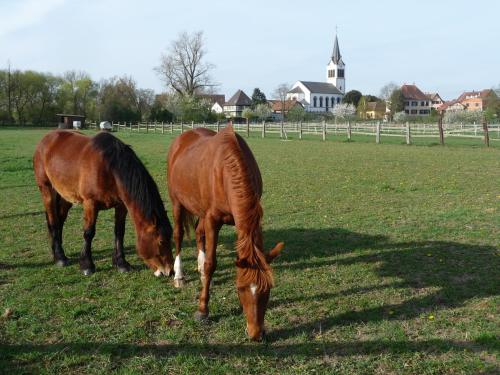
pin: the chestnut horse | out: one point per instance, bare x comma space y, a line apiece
214, 177
101, 172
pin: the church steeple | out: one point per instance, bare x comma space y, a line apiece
335, 70
336, 56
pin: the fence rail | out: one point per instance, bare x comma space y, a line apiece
324, 130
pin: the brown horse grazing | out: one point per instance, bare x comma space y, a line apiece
215, 177
101, 172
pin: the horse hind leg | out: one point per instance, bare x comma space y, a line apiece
56, 210
178, 212
119, 255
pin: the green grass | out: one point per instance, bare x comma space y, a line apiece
391, 266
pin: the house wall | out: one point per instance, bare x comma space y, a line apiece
415, 107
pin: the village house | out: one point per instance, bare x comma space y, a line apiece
476, 100
278, 107
322, 96
216, 102
416, 102
375, 110
436, 100
235, 106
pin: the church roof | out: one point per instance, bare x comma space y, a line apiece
239, 98
336, 56
321, 87
296, 90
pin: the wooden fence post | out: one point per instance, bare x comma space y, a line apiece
162, 127
377, 134
408, 135
218, 126
300, 129
192, 124
349, 133
248, 127
182, 127
486, 134
264, 129
440, 127
324, 130
171, 127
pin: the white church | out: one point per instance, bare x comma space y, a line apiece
322, 96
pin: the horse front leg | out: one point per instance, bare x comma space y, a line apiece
119, 255
212, 228
90, 217
200, 245
178, 236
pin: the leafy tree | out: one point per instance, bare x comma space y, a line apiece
397, 101
352, 97
362, 107
297, 114
258, 97
280, 93
262, 111
183, 68
247, 114
344, 110
371, 98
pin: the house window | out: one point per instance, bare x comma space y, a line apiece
414, 104
340, 73
407, 104
332, 101
315, 101
407, 112
426, 104
321, 101
422, 104
413, 111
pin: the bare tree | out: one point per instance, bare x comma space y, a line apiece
387, 90
182, 68
280, 93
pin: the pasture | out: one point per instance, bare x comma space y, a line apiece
391, 266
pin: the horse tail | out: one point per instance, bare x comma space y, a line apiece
188, 222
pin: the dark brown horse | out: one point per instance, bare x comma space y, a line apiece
214, 177
100, 173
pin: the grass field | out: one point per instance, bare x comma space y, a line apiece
391, 266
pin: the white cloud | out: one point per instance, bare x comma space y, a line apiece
17, 15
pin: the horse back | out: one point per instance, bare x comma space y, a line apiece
66, 161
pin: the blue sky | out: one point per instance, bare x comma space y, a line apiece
443, 46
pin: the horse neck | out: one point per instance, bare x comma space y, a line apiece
141, 223
249, 234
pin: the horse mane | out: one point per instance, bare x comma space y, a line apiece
246, 188
134, 177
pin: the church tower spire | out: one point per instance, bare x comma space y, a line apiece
335, 70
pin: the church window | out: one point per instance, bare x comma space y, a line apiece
315, 101
340, 73
321, 101
332, 101
338, 100
331, 73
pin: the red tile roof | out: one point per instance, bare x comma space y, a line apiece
413, 92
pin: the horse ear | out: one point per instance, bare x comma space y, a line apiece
276, 251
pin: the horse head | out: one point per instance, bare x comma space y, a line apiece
254, 283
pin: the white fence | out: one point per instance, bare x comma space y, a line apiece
378, 130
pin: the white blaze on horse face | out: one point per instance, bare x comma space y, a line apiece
178, 268
201, 262
253, 289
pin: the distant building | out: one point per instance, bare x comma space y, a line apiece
375, 110
278, 107
476, 100
416, 102
234, 107
216, 101
322, 96
67, 121
452, 105
436, 100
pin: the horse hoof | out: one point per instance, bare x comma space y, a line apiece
88, 272
123, 269
200, 317
178, 283
62, 262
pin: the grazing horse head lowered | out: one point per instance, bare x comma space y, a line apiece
101, 172
214, 177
